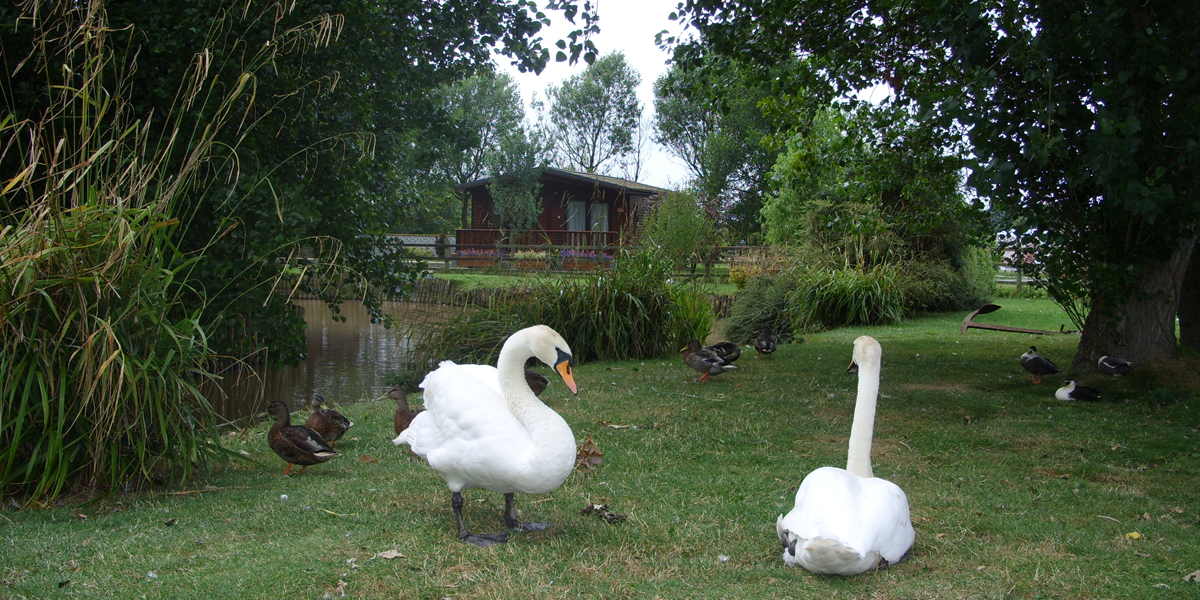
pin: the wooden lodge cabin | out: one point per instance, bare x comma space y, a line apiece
579, 210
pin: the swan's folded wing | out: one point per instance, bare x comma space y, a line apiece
484, 373
465, 423
891, 525
827, 506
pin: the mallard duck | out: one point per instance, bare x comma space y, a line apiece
537, 382
326, 421
404, 415
296, 444
728, 351
1070, 391
704, 360
848, 521
1114, 365
503, 441
1038, 365
765, 344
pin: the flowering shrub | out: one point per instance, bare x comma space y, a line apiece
575, 253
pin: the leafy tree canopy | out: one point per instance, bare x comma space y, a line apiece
593, 115
709, 116
333, 142
1083, 116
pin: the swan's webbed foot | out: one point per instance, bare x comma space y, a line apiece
511, 521
519, 526
483, 540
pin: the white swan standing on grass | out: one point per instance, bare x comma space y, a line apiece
849, 521
504, 440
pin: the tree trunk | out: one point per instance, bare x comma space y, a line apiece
1143, 328
465, 198
1189, 304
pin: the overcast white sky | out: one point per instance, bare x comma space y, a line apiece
629, 26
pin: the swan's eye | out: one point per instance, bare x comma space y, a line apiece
563, 357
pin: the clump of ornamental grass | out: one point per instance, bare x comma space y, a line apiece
632, 311
101, 356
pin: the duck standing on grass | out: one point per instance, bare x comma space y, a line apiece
326, 421
847, 521
504, 441
1038, 365
704, 360
1069, 391
296, 444
404, 415
765, 344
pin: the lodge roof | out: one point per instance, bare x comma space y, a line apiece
616, 183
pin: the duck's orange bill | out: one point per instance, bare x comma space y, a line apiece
564, 370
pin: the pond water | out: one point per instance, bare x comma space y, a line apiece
347, 362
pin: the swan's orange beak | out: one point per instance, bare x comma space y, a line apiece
564, 370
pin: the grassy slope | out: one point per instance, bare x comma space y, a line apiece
1007, 488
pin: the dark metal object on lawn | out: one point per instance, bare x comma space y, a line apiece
968, 323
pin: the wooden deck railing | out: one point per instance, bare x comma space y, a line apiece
489, 238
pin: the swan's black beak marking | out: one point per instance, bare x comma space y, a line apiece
853, 368
565, 367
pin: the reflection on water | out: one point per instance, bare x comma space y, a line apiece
347, 362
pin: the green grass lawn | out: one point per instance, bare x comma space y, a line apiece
1013, 493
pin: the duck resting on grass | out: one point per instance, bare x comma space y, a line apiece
296, 444
1114, 365
326, 421
847, 521
765, 343
504, 440
1038, 365
728, 351
704, 361
1071, 391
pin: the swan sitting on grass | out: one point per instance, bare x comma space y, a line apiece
847, 521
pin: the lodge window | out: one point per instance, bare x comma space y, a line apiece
598, 216
576, 215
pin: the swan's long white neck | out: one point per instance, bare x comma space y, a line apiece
546, 428
858, 460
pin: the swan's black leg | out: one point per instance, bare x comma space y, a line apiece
482, 540
510, 517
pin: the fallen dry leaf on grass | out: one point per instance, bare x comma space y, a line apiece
613, 425
589, 455
602, 511
390, 554
367, 459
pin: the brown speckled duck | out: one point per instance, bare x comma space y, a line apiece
537, 382
704, 361
296, 444
404, 414
331, 424
726, 350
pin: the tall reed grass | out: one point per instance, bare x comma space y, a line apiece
825, 299
632, 311
100, 357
